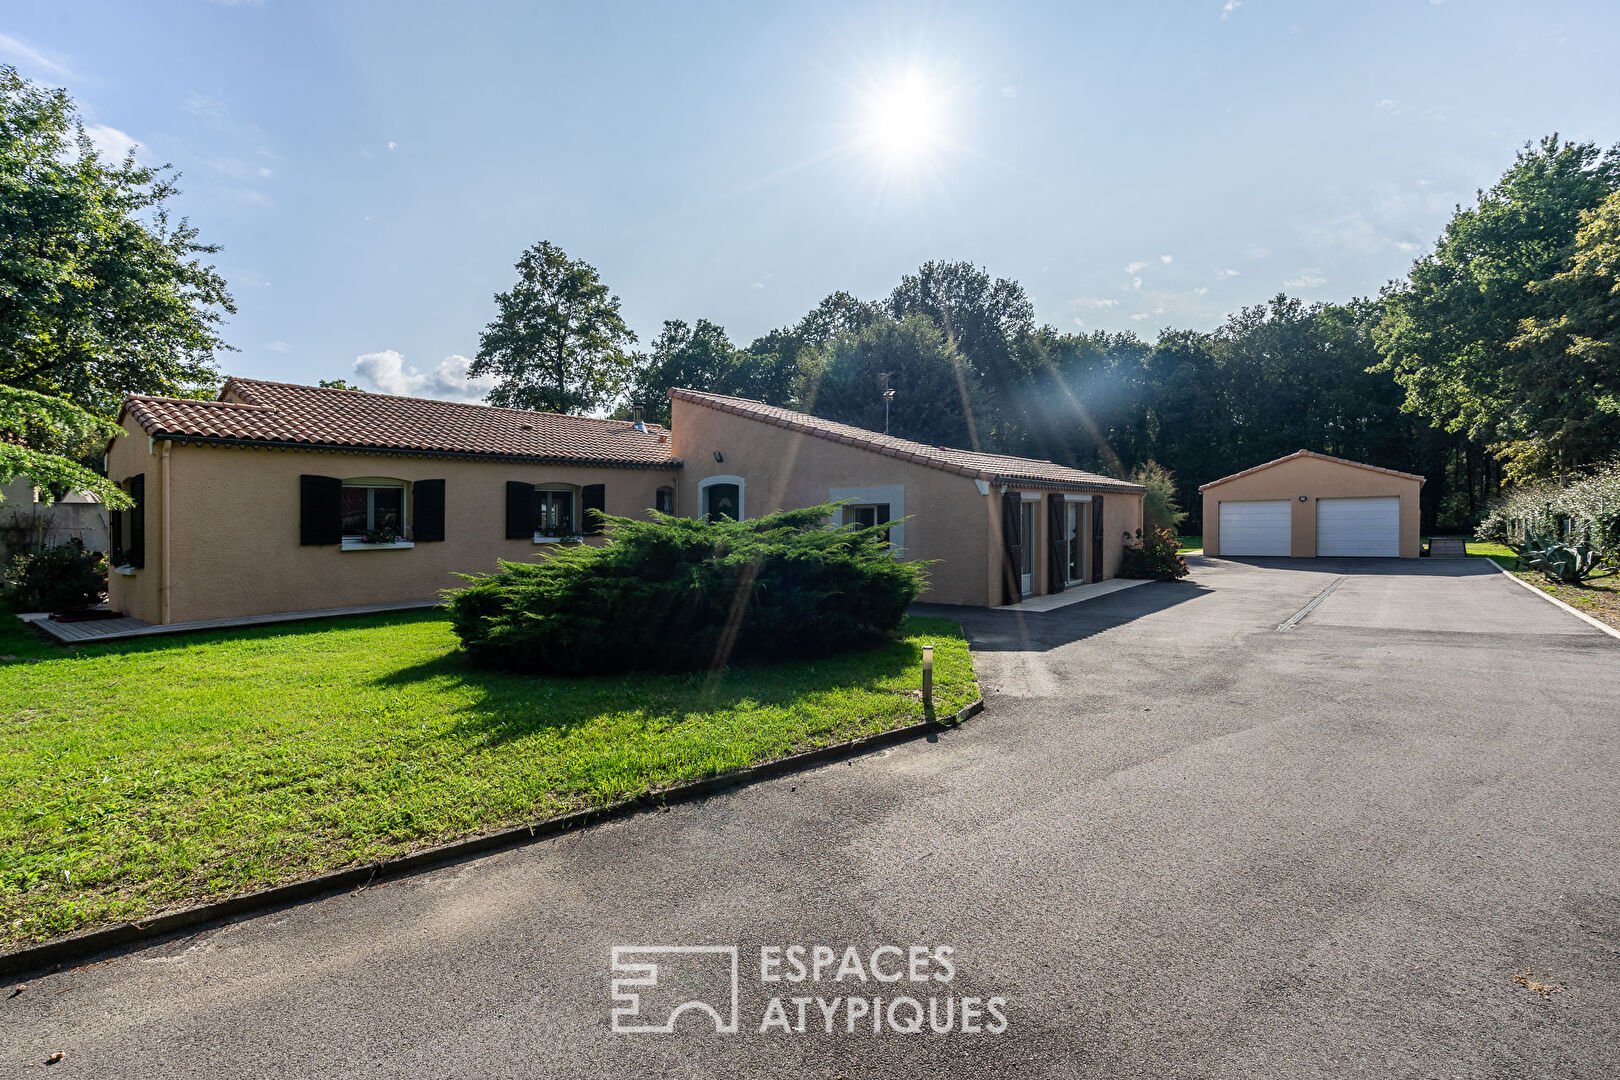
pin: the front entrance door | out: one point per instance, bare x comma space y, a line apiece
1026, 525
1075, 567
720, 501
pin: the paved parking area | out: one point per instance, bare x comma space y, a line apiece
1180, 843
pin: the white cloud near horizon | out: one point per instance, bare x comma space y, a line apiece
18, 49
1224, 274
1306, 279
1135, 267
386, 373
109, 142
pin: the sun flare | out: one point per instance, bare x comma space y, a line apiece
905, 120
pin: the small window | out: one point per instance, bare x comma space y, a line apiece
664, 501
868, 515
554, 512
372, 506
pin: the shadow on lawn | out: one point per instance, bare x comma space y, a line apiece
508, 706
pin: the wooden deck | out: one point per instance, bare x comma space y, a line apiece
123, 629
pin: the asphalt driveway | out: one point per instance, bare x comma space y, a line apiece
1180, 843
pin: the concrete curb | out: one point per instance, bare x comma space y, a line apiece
1551, 599
78, 947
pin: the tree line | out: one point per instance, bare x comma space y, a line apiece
1496, 358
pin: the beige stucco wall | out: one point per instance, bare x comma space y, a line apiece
1315, 479
222, 528
949, 521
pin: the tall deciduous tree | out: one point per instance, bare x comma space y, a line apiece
1447, 328
1569, 369
698, 357
101, 292
935, 390
558, 343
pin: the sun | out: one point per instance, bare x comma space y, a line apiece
905, 120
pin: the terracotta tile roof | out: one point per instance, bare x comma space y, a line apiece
980, 466
284, 414
1319, 457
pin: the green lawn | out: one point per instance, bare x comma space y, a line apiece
1478, 549
1189, 543
145, 776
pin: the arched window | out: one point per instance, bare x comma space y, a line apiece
722, 496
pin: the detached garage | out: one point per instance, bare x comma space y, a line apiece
1309, 504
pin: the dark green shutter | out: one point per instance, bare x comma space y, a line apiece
1056, 561
137, 521
320, 510
593, 503
428, 507
519, 510
1012, 547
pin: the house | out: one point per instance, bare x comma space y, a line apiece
283, 498
29, 521
1308, 504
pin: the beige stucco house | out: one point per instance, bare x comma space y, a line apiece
1308, 504
282, 498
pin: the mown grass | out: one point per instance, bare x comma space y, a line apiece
145, 776
1597, 597
1189, 543
1478, 549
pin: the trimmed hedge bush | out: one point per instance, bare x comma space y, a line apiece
63, 578
1154, 555
674, 594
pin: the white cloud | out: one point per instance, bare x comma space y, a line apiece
1202, 290
1135, 267
1305, 279
758, 285
20, 50
1139, 316
1224, 274
1092, 303
109, 142
1231, 6
386, 373
1136, 283
392, 145
1009, 91
278, 346
1167, 259
210, 105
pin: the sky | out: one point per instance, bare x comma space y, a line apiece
374, 170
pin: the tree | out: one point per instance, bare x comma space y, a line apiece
101, 293
336, 384
697, 357
558, 343
1569, 360
1447, 329
39, 438
935, 391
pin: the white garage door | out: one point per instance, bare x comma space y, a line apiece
1360, 527
1257, 528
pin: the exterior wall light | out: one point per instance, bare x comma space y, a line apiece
719, 457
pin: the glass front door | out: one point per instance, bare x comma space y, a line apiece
1026, 525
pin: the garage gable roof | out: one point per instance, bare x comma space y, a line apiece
1320, 457
257, 412
995, 468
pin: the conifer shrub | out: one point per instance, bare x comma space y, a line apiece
674, 594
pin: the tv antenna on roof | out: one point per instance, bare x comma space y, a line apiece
888, 398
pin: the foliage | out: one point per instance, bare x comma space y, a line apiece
1154, 555
935, 390
1447, 329
164, 771
41, 435
1569, 358
676, 594
558, 343
1159, 507
101, 293
1584, 505
697, 357
336, 384
1569, 564
62, 578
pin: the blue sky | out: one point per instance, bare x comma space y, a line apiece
373, 170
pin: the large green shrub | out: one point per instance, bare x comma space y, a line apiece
1159, 507
675, 594
1154, 555
64, 578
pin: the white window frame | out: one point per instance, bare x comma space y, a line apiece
575, 492
893, 494
709, 481
356, 542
